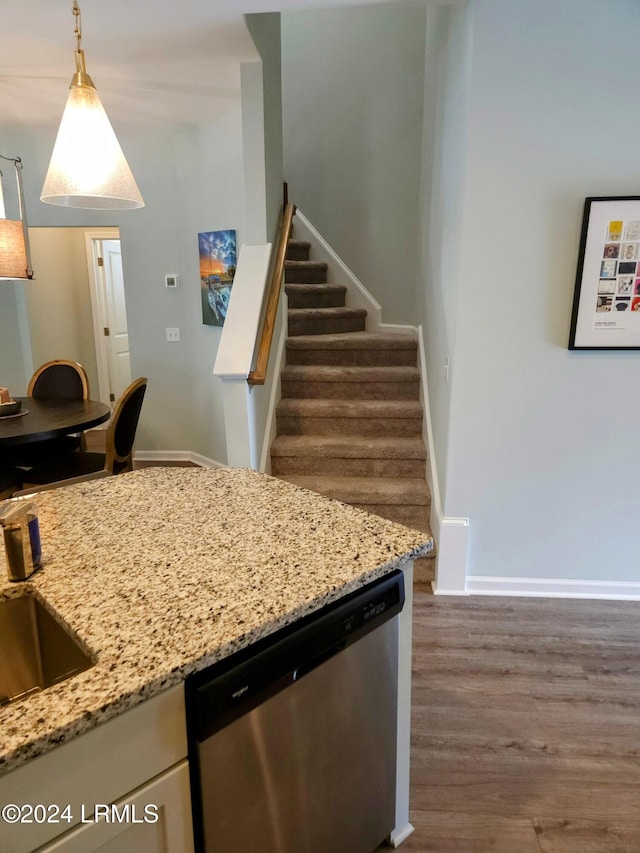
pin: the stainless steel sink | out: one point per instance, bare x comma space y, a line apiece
36, 651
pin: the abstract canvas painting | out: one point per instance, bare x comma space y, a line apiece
217, 250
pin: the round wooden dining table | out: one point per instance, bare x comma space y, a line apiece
41, 419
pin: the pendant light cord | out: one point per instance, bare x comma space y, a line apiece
78, 30
82, 78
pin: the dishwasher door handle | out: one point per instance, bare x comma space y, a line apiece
317, 661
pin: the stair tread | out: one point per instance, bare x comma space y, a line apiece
316, 265
299, 244
334, 373
307, 287
369, 490
322, 407
318, 313
353, 340
349, 447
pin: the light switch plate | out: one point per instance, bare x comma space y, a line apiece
171, 280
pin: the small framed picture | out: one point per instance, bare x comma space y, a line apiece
217, 251
607, 266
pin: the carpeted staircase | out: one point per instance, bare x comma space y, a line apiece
349, 424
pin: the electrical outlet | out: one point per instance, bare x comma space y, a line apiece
173, 335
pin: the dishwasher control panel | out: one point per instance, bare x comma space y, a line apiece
388, 601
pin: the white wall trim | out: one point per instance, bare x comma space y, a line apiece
396, 329
402, 827
451, 534
399, 835
554, 588
357, 295
176, 456
452, 545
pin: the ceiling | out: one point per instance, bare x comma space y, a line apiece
152, 61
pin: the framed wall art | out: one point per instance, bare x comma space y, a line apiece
217, 251
606, 302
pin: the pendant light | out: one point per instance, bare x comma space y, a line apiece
15, 258
87, 168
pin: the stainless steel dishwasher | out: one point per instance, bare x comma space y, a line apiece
292, 742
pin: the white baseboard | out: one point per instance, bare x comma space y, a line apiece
398, 836
176, 456
553, 588
398, 329
452, 543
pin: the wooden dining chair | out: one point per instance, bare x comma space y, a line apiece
62, 379
59, 379
118, 458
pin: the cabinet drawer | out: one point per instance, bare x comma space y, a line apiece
166, 828
100, 766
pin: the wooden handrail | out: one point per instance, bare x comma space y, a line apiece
259, 373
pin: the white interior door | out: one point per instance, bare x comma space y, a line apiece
109, 312
117, 339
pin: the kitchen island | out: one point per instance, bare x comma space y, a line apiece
164, 571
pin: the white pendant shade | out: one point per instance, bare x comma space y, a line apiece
88, 168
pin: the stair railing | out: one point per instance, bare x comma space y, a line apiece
258, 375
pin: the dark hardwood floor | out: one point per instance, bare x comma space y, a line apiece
526, 726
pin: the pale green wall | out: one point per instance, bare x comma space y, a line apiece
541, 451
446, 92
265, 30
353, 84
12, 369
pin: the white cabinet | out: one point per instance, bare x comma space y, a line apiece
156, 818
137, 757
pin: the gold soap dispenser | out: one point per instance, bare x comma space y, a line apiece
21, 533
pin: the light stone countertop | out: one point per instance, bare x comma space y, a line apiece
163, 571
